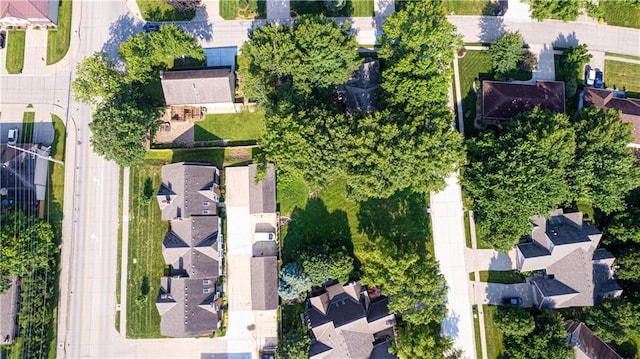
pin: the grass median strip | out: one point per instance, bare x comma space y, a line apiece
15, 51
28, 119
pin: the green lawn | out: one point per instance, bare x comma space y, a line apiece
58, 39
622, 55
495, 347
353, 8
467, 230
158, 10
15, 51
291, 317
504, 277
147, 231
621, 13
476, 330
240, 126
623, 74
28, 119
469, 7
475, 65
243, 9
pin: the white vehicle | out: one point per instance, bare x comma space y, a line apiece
12, 137
591, 77
262, 236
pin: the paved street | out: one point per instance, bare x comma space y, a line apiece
449, 244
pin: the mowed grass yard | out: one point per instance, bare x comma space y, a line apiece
15, 51
469, 7
621, 13
243, 9
623, 74
495, 346
158, 10
147, 230
240, 126
28, 119
353, 8
474, 65
58, 40
504, 277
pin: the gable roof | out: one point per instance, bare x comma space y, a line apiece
604, 99
188, 189
504, 100
200, 86
581, 338
30, 9
264, 283
576, 274
262, 195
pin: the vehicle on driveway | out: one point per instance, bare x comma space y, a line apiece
599, 83
12, 137
591, 77
148, 27
3, 38
512, 301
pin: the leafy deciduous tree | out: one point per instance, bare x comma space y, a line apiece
184, 5
423, 341
97, 79
614, 320
506, 52
514, 321
566, 10
294, 346
321, 265
628, 260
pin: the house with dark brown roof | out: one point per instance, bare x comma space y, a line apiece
574, 272
361, 89
189, 297
502, 101
629, 108
29, 12
210, 88
586, 344
9, 303
349, 322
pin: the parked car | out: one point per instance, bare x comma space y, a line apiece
591, 77
512, 301
3, 39
12, 137
147, 27
599, 83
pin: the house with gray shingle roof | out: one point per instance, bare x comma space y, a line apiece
349, 322
575, 272
211, 88
189, 298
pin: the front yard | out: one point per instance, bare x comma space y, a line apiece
621, 13
58, 40
474, 66
240, 126
15, 51
623, 74
146, 232
469, 7
158, 10
353, 8
504, 277
243, 9
495, 347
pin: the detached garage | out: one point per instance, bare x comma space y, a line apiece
210, 88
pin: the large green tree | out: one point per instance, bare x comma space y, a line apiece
572, 63
320, 265
566, 10
294, 346
628, 260
518, 172
97, 79
604, 170
119, 131
506, 52
293, 282
615, 320
424, 342
526, 340
514, 321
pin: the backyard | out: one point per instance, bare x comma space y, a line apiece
623, 75
243, 9
145, 263
621, 13
495, 347
15, 51
58, 39
158, 10
240, 126
353, 8
469, 7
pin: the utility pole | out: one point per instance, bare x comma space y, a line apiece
48, 158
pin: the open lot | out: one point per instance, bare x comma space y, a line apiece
58, 40
623, 74
15, 51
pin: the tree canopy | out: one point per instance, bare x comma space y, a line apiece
97, 79
614, 320
320, 265
566, 10
506, 52
293, 282
524, 339
294, 346
424, 342
514, 321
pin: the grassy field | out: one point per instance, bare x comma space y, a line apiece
147, 230
243, 9
158, 10
353, 8
235, 127
469, 7
622, 55
504, 277
621, 13
475, 65
623, 74
28, 119
15, 51
58, 40
495, 347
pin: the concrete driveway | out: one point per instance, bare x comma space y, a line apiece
492, 293
489, 259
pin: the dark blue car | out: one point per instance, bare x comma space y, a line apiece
599, 83
150, 27
512, 301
